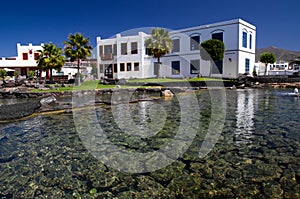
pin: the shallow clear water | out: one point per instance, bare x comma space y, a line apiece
257, 154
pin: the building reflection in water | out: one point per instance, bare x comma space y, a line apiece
244, 117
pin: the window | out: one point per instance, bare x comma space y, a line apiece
101, 68
107, 52
122, 67
244, 39
101, 50
176, 45
123, 48
195, 42
36, 56
115, 49
136, 66
247, 65
128, 66
134, 48
175, 67
218, 36
115, 68
25, 56
108, 49
195, 66
147, 51
250, 41
217, 68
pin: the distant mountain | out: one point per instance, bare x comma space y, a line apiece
281, 54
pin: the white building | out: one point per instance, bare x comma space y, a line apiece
70, 69
24, 61
126, 57
277, 68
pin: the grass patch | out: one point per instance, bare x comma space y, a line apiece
163, 80
87, 85
94, 84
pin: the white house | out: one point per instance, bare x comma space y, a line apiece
27, 56
277, 68
126, 56
24, 61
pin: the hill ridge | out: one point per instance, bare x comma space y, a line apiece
281, 54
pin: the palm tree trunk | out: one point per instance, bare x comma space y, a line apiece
51, 78
78, 73
158, 70
211, 68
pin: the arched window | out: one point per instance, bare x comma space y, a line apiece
176, 44
245, 35
250, 40
217, 34
195, 41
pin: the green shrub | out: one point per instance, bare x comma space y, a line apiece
2, 73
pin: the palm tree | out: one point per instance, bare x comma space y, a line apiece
159, 44
50, 58
77, 48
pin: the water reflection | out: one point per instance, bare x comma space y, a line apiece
244, 116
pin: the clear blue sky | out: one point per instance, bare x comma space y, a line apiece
35, 21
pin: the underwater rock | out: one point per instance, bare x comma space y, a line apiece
261, 172
203, 170
272, 189
186, 186
166, 174
147, 183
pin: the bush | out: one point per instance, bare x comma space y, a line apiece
2, 73
31, 73
254, 73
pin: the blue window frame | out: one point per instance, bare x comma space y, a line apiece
218, 36
250, 41
247, 65
244, 39
175, 67
195, 42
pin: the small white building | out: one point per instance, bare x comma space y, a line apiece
126, 56
277, 68
25, 60
70, 69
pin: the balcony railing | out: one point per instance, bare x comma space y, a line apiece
107, 57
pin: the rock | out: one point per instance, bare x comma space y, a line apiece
272, 189
48, 100
167, 93
19, 110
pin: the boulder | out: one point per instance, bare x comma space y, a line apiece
48, 100
167, 93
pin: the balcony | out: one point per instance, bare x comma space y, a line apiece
107, 57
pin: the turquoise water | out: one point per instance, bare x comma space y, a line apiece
257, 154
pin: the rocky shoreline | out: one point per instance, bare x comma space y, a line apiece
20, 110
